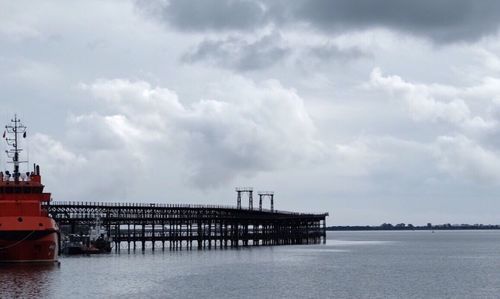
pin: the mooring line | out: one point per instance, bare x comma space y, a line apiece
18, 242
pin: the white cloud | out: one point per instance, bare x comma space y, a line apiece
53, 153
357, 158
489, 59
467, 152
459, 156
248, 128
75, 173
434, 102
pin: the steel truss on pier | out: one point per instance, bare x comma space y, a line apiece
181, 226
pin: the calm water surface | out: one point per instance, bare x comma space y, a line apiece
444, 264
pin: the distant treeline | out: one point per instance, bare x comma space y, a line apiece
403, 226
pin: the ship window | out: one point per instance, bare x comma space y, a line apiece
8, 190
26, 190
1, 190
18, 190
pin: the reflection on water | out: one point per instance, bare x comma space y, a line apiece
356, 242
350, 265
26, 280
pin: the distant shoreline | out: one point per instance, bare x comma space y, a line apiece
400, 227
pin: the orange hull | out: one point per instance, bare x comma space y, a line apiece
28, 246
34, 239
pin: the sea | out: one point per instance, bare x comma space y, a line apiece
376, 264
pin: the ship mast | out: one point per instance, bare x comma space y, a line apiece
15, 129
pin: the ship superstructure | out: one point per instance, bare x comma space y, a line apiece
27, 232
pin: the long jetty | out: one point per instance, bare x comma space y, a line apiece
184, 226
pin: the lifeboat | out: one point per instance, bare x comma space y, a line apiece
27, 232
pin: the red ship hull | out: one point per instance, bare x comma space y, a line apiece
27, 242
43, 249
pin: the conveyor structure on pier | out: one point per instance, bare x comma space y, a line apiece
177, 226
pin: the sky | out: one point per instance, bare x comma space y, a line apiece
373, 111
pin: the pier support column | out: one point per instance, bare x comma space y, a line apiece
134, 236
199, 237
324, 231
153, 239
128, 238
143, 237
163, 235
209, 235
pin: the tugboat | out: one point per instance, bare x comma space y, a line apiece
98, 237
27, 232
75, 244
93, 243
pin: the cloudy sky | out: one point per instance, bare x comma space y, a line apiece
374, 111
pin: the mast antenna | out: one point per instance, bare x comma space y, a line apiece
15, 129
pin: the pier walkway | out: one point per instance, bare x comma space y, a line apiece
184, 226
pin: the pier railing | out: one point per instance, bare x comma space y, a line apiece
174, 206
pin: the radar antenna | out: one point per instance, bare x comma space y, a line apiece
11, 136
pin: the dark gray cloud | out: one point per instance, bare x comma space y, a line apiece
440, 20
237, 53
333, 52
204, 15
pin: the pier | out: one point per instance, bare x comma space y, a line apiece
182, 226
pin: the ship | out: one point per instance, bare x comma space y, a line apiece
27, 232
95, 242
75, 244
99, 239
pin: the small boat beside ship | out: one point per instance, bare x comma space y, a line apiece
27, 232
74, 244
95, 242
